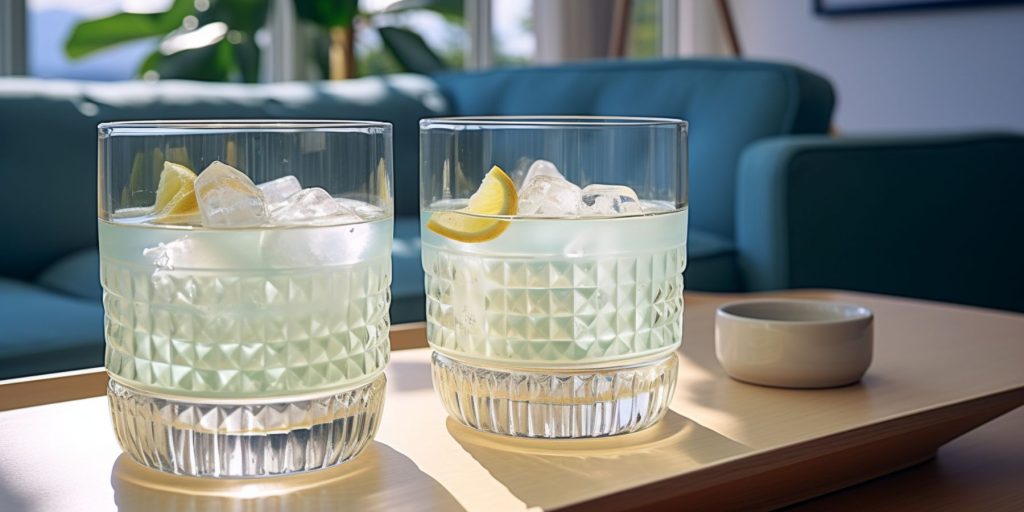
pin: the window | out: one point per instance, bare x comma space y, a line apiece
512, 32
50, 23
444, 34
509, 29
643, 37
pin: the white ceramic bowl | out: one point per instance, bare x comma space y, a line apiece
794, 343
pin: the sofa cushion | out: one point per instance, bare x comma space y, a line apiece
76, 274
728, 103
711, 263
42, 331
49, 142
407, 299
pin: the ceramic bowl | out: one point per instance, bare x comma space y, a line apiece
794, 343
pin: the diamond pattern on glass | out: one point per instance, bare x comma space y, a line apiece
556, 310
221, 333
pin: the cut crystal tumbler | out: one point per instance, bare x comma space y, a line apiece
554, 249
246, 271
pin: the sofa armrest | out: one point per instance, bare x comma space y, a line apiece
939, 217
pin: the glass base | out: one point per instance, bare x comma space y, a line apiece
247, 438
556, 403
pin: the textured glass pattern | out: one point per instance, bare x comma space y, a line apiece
245, 439
238, 325
554, 310
555, 403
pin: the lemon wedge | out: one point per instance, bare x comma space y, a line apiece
496, 196
175, 195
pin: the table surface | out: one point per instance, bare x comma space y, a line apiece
63, 456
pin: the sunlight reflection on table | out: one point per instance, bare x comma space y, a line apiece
378, 479
528, 466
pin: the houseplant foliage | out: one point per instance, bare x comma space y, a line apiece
336, 16
214, 40
200, 39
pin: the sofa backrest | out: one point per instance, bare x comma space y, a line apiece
48, 133
48, 143
728, 103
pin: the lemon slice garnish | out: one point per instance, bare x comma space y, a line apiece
496, 196
175, 195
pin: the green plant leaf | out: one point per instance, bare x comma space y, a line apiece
328, 13
213, 63
411, 51
93, 35
452, 10
247, 56
245, 16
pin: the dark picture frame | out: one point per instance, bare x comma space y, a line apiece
840, 7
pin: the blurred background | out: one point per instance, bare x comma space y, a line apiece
893, 69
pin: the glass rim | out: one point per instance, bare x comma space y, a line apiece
541, 121
189, 126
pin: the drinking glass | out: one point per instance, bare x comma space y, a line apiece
553, 249
246, 325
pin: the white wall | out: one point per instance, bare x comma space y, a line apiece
922, 70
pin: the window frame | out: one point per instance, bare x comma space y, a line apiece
279, 59
13, 40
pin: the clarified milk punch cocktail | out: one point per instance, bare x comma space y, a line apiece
246, 269
554, 290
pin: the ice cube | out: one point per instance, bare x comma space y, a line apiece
544, 195
308, 205
609, 200
278, 190
165, 255
541, 168
228, 198
364, 210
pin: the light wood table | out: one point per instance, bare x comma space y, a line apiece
939, 371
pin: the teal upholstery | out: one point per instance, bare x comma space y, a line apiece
75, 275
50, 304
728, 104
48, 136
44, 331
408, 302
711, 263
937, 217
49, 299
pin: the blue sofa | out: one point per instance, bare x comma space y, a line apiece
934, 217
744, 233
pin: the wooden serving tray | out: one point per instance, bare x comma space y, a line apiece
939, 371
